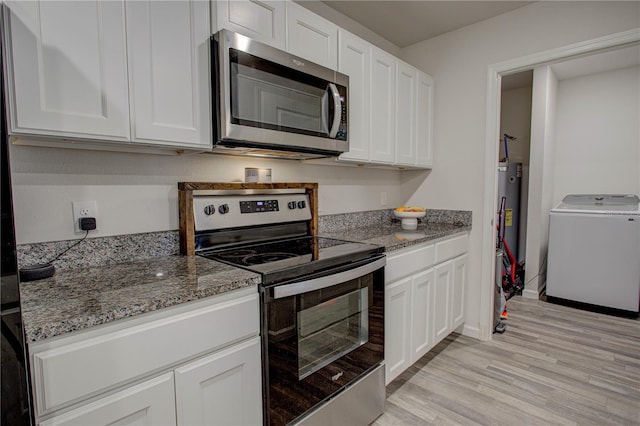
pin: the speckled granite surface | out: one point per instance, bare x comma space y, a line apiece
106, 279
393, 237
383, 228
101, 251
347, 221
82, 298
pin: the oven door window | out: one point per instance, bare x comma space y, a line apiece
318, 341
331, 329
271, 96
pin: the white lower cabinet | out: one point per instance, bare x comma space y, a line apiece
149, 403
424, 300
124, 372
221, 389
458, 290
397, 354
442, 296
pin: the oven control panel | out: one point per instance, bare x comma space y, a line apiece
213, 212
259, 206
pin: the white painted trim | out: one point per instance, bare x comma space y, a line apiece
494, 73
530, 294
473, 332
489, 210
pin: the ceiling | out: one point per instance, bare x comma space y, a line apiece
404, 23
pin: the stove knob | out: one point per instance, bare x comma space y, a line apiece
223, 209
291, 205
301, 204
209, 210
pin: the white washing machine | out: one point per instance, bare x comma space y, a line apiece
594, 250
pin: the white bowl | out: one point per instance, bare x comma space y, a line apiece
409, 220
409, 214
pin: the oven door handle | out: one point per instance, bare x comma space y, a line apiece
327, 281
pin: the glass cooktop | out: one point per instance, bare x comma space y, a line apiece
292, 258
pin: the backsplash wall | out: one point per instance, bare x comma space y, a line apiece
137, 193
132, 247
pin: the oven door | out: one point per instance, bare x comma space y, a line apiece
320, 335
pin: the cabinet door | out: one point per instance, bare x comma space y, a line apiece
421, 314
442, 301
424, 120
354, 60
406, 114
383, 104
169, 63
67, 69
149, 403
222, 389
458, 291
311, 37
263, 21
397, 328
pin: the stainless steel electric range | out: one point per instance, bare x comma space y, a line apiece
322, 310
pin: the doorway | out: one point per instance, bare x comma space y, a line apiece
513, 177
540, 195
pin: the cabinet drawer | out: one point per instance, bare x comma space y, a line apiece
451, 248
407, 263
70, 373
151, 402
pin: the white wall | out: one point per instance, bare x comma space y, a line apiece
515, 120
138, 192
459, 63
541, 179
598, 134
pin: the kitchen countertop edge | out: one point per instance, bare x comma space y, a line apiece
79, 299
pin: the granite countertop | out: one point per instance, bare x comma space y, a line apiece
81, 298
77, 299
393, 237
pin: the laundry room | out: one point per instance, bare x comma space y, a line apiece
570, 127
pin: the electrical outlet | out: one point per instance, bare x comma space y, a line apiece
83, 209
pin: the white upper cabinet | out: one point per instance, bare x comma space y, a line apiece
383, 104
311, 37
354, 60
67, 70
168, 54
414, 100
263, 21
406, 114
76, 70
424, 120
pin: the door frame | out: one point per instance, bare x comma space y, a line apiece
492, 130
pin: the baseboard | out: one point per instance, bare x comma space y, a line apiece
530, 294
471, 331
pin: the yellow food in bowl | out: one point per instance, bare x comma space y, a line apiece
410, 209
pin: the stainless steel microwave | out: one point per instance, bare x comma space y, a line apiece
269, 102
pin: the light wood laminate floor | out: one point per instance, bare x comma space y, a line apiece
553, 365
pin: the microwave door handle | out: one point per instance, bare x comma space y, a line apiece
337, 110
328, 281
